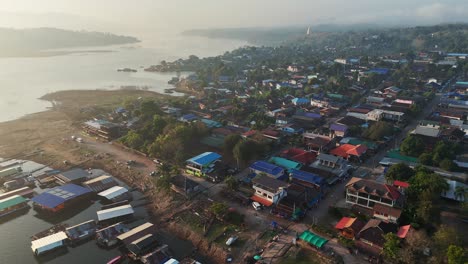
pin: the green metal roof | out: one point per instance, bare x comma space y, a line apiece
285, 163
395, 154
335, 96
368, 144
11, 201
313, 239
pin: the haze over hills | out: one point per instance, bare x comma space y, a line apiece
34, 41
453, 37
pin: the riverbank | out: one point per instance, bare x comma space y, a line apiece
44, 129
45, 138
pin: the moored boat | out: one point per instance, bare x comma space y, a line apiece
12, 204
43, 245
81, 232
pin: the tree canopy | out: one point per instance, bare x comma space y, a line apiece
378, 130
412, 146
400, 171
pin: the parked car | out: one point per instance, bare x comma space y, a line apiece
257, 206
131, 162
153, 173
231, 240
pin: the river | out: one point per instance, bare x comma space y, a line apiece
24, 80
16, 229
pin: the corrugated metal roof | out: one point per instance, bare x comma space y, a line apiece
266, 167
285, 163
172, 261
113, 192
59, 195
11, 201
45, 241
103, 178
205, 158
307, 177
114, 212
135, 230
75, 174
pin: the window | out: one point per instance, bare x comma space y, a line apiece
264, 194
270, 197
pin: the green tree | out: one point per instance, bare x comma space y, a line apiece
232, 183
412, 146
230, 142
448, 165
425, 158
133, 140
244, 151
399, 171
444, 237
219, 209
391, 247
163, 183
378, 130
456, 255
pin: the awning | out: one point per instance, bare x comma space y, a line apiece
313, 239
261, 200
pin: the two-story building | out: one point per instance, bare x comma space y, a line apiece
378, 200
268, 190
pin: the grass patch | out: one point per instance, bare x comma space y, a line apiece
192, 220
300, 257
268, 235
216, 230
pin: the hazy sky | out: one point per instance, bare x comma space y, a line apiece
128, 15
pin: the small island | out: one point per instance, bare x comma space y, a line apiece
127, 70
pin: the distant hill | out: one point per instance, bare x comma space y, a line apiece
23, 42
376, 39
275, 35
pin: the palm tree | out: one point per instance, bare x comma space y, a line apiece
460, 192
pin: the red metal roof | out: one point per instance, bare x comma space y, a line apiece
249, 133
347, 149
403, 231
393, 191
401, 184
344, 222
261, 200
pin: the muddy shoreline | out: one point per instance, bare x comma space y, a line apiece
44, 137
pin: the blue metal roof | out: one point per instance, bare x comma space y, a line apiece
300, 101
382, 71
189, 117
266, 167
306, 177
205, 158
338, 127
56, 196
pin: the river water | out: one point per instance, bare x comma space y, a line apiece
16, 230
24, 80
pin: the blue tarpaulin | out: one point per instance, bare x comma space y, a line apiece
56, 196
205, 158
